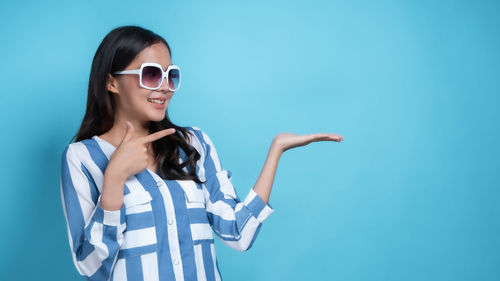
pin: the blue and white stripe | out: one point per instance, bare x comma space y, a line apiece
162, 222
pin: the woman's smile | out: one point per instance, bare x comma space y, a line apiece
158, 102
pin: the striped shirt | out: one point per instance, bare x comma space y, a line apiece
164, 230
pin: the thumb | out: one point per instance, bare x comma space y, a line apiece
128, 132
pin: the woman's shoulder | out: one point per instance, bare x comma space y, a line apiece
82, 150
72, 154
195, 137
193, 129
81, 144
199, 136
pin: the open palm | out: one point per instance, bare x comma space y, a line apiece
286, 141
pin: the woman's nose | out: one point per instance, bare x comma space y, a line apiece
164, 85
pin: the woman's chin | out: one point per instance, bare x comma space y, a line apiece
157, 117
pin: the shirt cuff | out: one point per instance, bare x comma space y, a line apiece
112, 218
259, 209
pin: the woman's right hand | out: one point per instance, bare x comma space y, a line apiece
131, 157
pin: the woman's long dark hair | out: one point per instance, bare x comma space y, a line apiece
116, 51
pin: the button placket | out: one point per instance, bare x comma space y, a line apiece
172, 228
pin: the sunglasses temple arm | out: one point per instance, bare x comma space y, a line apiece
135, 71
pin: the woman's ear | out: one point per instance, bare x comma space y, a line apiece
112, 84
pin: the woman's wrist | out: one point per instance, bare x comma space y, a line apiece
112, 191
276, 148
114, 174
112, 188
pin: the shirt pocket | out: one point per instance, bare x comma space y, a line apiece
198, 219
140, 233
195, 197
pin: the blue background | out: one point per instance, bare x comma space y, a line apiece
413, 87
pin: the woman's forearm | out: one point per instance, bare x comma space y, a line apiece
264, 182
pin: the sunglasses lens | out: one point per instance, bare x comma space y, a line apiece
174, 77
151, 76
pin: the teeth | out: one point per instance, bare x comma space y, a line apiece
156, 101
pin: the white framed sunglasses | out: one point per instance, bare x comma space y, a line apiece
151, 76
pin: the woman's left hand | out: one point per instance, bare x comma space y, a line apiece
285, 141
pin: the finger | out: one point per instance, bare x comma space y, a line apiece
129, 132
157, 135
339, 137
333, 137
321, 136
336, 138
326, 136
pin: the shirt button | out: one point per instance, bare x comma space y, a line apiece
170, 221
158, 183
176, 261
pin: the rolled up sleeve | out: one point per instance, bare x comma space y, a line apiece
236, 222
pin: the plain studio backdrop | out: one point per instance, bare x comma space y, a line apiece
413, 86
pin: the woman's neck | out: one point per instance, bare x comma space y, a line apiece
117, 132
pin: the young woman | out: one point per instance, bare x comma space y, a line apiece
141, 195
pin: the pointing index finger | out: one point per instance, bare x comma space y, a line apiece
157, 135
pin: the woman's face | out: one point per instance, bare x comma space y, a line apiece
132, 100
